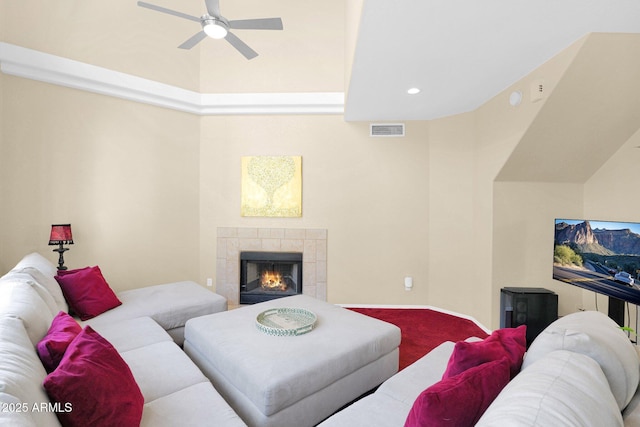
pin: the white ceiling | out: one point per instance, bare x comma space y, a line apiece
461, 53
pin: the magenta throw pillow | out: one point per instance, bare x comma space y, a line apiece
52, 347
460, 401
94, 386
87, 292
509, 342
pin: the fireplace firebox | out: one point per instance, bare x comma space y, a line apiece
269, 275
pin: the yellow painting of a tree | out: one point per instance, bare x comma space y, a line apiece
272, 186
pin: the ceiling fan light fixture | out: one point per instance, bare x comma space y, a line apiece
214, 28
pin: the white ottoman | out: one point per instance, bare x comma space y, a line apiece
295, 381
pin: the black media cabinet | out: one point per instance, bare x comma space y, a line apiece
534, 307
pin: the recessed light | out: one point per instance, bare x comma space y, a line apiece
413, 91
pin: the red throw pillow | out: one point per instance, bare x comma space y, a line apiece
460, 401
52, 347
94, 386
87, 292
509, 342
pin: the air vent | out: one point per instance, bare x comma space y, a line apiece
387, 129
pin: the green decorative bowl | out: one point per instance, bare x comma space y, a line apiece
286, 321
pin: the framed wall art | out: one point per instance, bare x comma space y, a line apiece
271, 186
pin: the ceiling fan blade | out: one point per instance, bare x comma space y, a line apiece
257, 24
213, 7
169, 11
241, 46
193, 40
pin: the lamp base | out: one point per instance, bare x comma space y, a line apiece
61, 251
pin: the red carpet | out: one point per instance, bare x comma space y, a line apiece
423, 329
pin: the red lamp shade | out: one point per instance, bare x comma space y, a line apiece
61, 234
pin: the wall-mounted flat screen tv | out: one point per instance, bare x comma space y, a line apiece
601, 256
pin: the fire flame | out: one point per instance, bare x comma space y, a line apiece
272, 280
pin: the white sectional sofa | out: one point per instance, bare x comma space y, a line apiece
170, 305
174, 390
581, 371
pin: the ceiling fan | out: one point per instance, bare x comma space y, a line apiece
217, 26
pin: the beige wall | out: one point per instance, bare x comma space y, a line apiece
497, 256
146, 188
3, 204
371, 194
524, 214
611, 194
453, 282
502, 251
125, 175
574, 132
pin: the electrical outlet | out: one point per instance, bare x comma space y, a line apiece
209, 282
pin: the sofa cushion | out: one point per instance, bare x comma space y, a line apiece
593, 334
37, 261
21, 378
94, 385
507, 342
130, 334
407, 384
19, 299
173, 303
172, 410
49, 283
631, 414
52, 347
42, 292
87, 292
562, 388
377, 409
169, 304
460, 400
146, 362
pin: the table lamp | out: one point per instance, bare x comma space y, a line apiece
61, 235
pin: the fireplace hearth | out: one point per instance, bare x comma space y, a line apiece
269, 275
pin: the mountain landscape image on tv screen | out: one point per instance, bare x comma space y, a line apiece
601, 256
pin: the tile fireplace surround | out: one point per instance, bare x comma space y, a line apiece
233, 240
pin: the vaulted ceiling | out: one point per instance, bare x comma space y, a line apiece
461, 53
